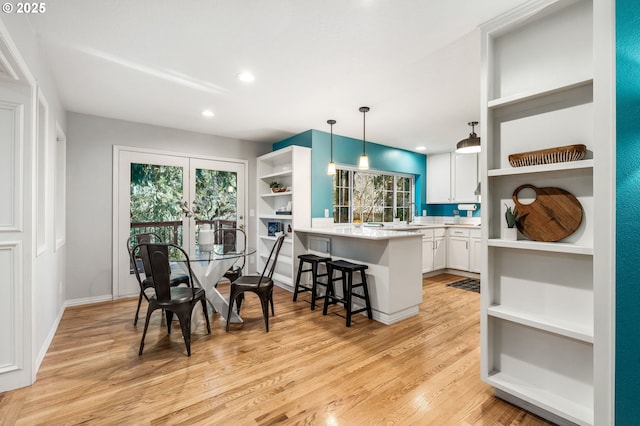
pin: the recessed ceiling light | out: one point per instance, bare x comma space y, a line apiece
208, 113
420, 148
246, 76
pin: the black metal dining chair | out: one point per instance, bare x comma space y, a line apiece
171, 299
141, 261
261, 285
227, 238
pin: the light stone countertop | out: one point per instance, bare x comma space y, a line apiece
386, 232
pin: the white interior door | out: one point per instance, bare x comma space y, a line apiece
173, 196
17, 174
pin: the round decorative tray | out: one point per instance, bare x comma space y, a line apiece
560, 154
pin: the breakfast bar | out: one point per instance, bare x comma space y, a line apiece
393, 258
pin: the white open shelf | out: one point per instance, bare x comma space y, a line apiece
553, 325
281, 173
275, 194
276, 216
570, 165
534, 94
541, 246
549, 401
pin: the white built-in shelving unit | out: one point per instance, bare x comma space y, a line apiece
542, 346
291, 167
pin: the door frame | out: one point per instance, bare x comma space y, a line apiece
117, 149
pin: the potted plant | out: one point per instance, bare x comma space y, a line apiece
511, 216
277, 186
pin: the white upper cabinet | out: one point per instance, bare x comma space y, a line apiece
439, 178
452, 178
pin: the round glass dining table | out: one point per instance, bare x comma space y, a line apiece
208, 268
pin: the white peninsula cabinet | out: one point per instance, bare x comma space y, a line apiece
452, 178
546, 307
289, 209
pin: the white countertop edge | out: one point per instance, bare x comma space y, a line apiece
368, 233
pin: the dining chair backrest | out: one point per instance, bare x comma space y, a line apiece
270, 266
134, 240
231, 240
157, 255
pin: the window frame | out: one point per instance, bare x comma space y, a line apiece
350, 190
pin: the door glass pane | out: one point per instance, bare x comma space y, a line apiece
216, 201
156, 194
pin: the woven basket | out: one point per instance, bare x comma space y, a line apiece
559, 154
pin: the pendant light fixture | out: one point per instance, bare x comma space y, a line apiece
471, 144
331, 168
363, 164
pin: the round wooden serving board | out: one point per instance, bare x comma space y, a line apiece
553, 215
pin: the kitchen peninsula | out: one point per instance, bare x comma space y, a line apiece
394, 259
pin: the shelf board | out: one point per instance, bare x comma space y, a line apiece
276, 216
275, 194
534, 94
572, 330
543, 398
541, 246
287, 240
281, 173
570, 165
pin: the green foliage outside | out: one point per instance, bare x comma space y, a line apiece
157, 195
375, 196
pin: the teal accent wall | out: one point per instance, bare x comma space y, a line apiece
346, 152
447, 210
627, 377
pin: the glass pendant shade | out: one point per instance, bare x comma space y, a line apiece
471, 144
331, 167
363, 164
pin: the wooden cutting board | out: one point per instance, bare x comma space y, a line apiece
553, 215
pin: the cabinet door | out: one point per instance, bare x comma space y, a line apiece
439, 178
465, 178
439, 253
427, 254
458, 253
474, 255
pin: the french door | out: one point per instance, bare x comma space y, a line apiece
173, 196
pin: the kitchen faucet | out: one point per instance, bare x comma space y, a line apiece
410, 206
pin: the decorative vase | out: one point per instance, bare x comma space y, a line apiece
510, 234
205, 240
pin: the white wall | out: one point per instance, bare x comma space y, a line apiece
89, 189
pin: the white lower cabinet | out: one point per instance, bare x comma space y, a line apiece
434, 254
475, 250
458, 249
439, 249
427, 250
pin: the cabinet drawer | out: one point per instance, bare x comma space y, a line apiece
475, 233
426, 233
439, 232
459, 232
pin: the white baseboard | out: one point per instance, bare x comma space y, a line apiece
88, 300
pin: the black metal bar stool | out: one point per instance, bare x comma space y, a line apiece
346, 276
314, 260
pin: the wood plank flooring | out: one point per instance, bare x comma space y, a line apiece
309, 369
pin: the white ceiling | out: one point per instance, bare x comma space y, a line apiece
415, 63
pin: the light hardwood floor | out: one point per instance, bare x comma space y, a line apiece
308, 369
